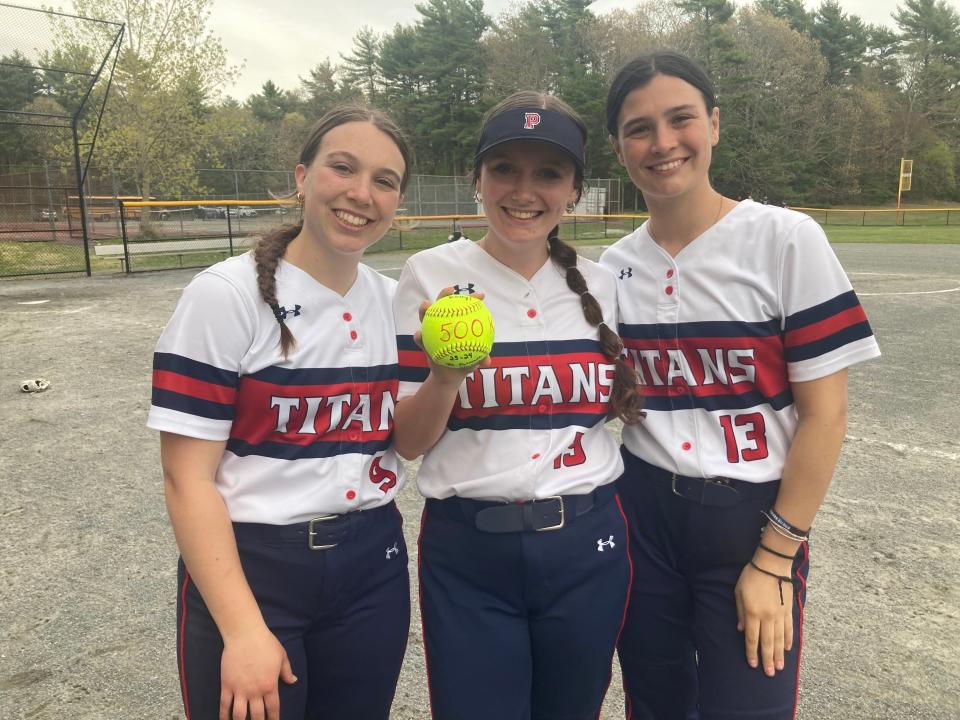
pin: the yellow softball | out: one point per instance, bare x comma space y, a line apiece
457, 331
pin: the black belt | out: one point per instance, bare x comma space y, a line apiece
550, 513
323, 532
712, 492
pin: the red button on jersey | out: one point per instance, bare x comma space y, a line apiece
353, 335
351, 494
686, 446
669, 290
669, 273
535, 456
348, 317
531, 313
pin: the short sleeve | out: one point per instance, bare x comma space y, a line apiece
406, 314
825, 328
196, 365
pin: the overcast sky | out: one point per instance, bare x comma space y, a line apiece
282, 39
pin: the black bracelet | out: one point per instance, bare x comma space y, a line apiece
781, 579
778, 554
783, 526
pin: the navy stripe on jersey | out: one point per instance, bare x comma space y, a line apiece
817, 313
525, 422
320, 449
714, 403
195, 369
712, 329
325, 376
190, 405
829, 344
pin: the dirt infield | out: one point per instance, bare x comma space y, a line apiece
88, 562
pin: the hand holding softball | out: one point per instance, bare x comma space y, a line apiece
457, 331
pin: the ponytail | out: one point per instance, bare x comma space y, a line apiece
625, 400
267, 256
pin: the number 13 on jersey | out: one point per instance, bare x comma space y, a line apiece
745, 437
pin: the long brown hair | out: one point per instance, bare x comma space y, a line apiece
625, 400
272, 246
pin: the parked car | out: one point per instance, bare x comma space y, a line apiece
243, 211
47, 214
211, 213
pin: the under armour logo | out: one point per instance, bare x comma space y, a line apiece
601, 544
530, 120
626, 272
391, 551
467, 289
282, 312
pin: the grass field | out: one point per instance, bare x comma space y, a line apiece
37, 258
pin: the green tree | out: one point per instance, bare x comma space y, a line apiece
272, 104
362, 67
19, 86
434, 77
709, 18
843, 41
793, 11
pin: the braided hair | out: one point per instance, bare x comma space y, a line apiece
273, 245
625, 400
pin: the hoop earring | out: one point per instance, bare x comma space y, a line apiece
478, 197
300, 199
571, 207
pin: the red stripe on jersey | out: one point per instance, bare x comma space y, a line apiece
312, 413
710, 366
166, 380
412, 358
825, 328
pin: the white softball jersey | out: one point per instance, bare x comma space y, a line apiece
532, 424
305, 436
718, 334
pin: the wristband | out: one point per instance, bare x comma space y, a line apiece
781, 579
774, 552
783, 526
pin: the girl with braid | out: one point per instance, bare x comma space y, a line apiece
524, 572
274, 387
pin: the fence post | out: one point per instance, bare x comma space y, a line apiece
52, 211
229, 230
123, 234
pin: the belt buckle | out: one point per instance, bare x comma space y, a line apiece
311, 532
559, 525
673, 485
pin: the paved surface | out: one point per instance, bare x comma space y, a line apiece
87, 558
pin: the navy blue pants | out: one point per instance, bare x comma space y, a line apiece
521, 625
342, 615
681, 654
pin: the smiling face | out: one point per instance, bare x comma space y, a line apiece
525, 186
351, 189
665, 138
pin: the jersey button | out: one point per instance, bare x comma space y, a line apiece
351, 494
353, 335
669, 290
354, 436
531, 313
686, 446
347, 316
542, 408
669, 273
535, 456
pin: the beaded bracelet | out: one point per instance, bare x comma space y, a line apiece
781, 579
774, 552
784, 527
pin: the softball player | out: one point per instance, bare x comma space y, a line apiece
741, 324
279, 474
523, 565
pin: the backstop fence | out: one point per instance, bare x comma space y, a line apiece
51, 108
